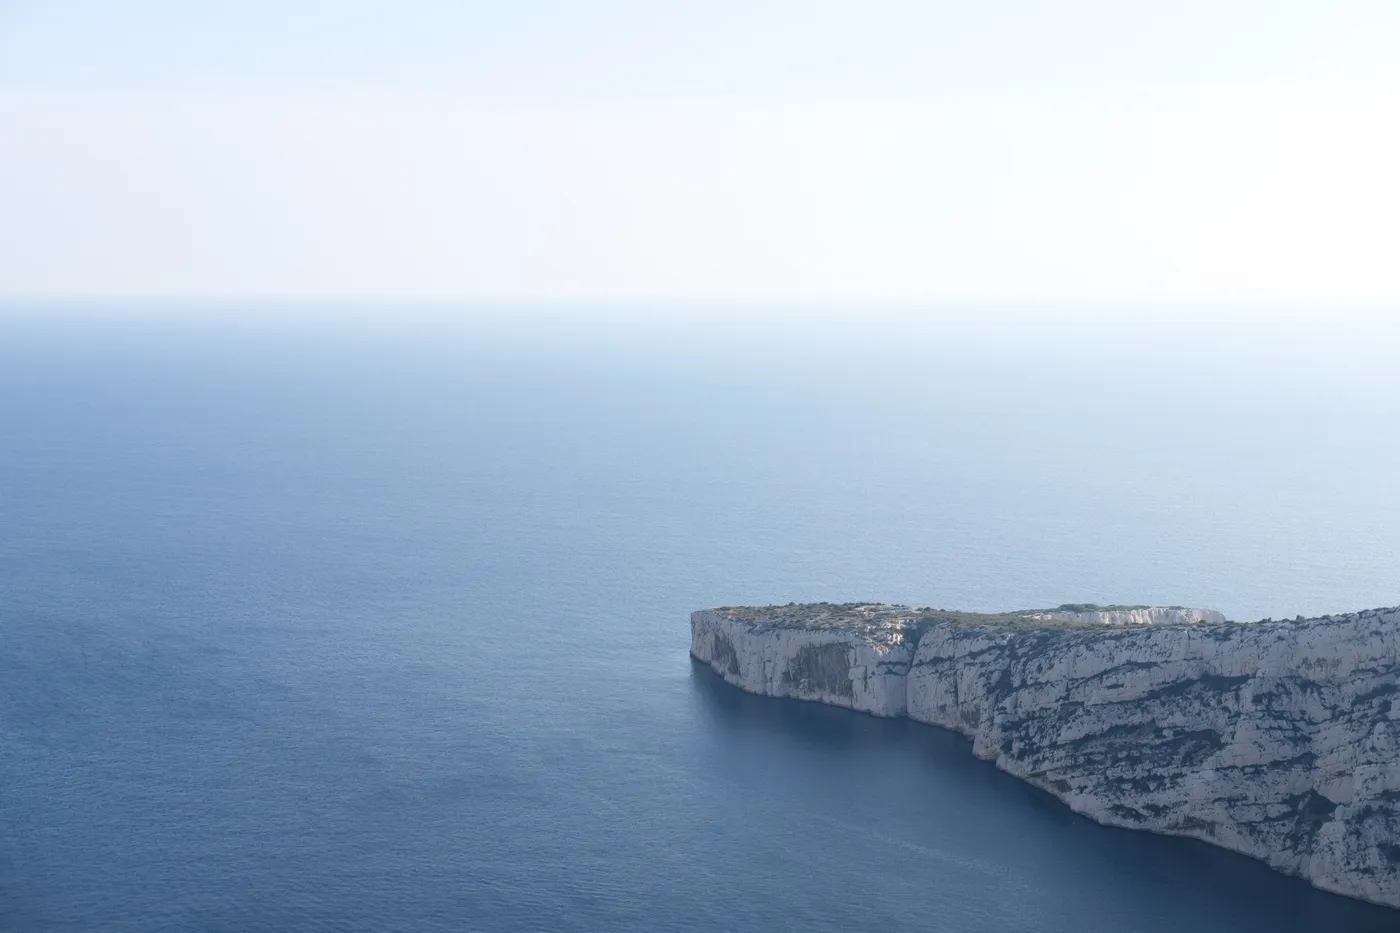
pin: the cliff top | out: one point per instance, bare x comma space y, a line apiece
883, 617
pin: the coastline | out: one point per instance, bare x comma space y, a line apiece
1276, 740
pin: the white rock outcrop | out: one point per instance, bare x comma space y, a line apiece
1280, 740
1131, 615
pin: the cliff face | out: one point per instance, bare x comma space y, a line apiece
1280, 740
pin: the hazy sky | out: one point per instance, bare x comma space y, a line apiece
1239, 152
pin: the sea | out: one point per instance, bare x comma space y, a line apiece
374, 617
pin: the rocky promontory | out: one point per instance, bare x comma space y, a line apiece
1279, 740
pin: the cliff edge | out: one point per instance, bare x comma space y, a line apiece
1279, 740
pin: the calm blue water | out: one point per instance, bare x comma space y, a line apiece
381, 623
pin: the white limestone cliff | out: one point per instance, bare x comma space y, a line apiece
1280, 740
1130, 615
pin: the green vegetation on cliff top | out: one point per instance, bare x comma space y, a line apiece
885, 616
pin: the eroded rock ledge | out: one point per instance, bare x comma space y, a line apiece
1280, 740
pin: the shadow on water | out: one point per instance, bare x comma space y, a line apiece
959, 800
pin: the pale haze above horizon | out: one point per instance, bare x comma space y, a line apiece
1226, 153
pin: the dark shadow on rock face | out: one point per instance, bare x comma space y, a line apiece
949, 796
